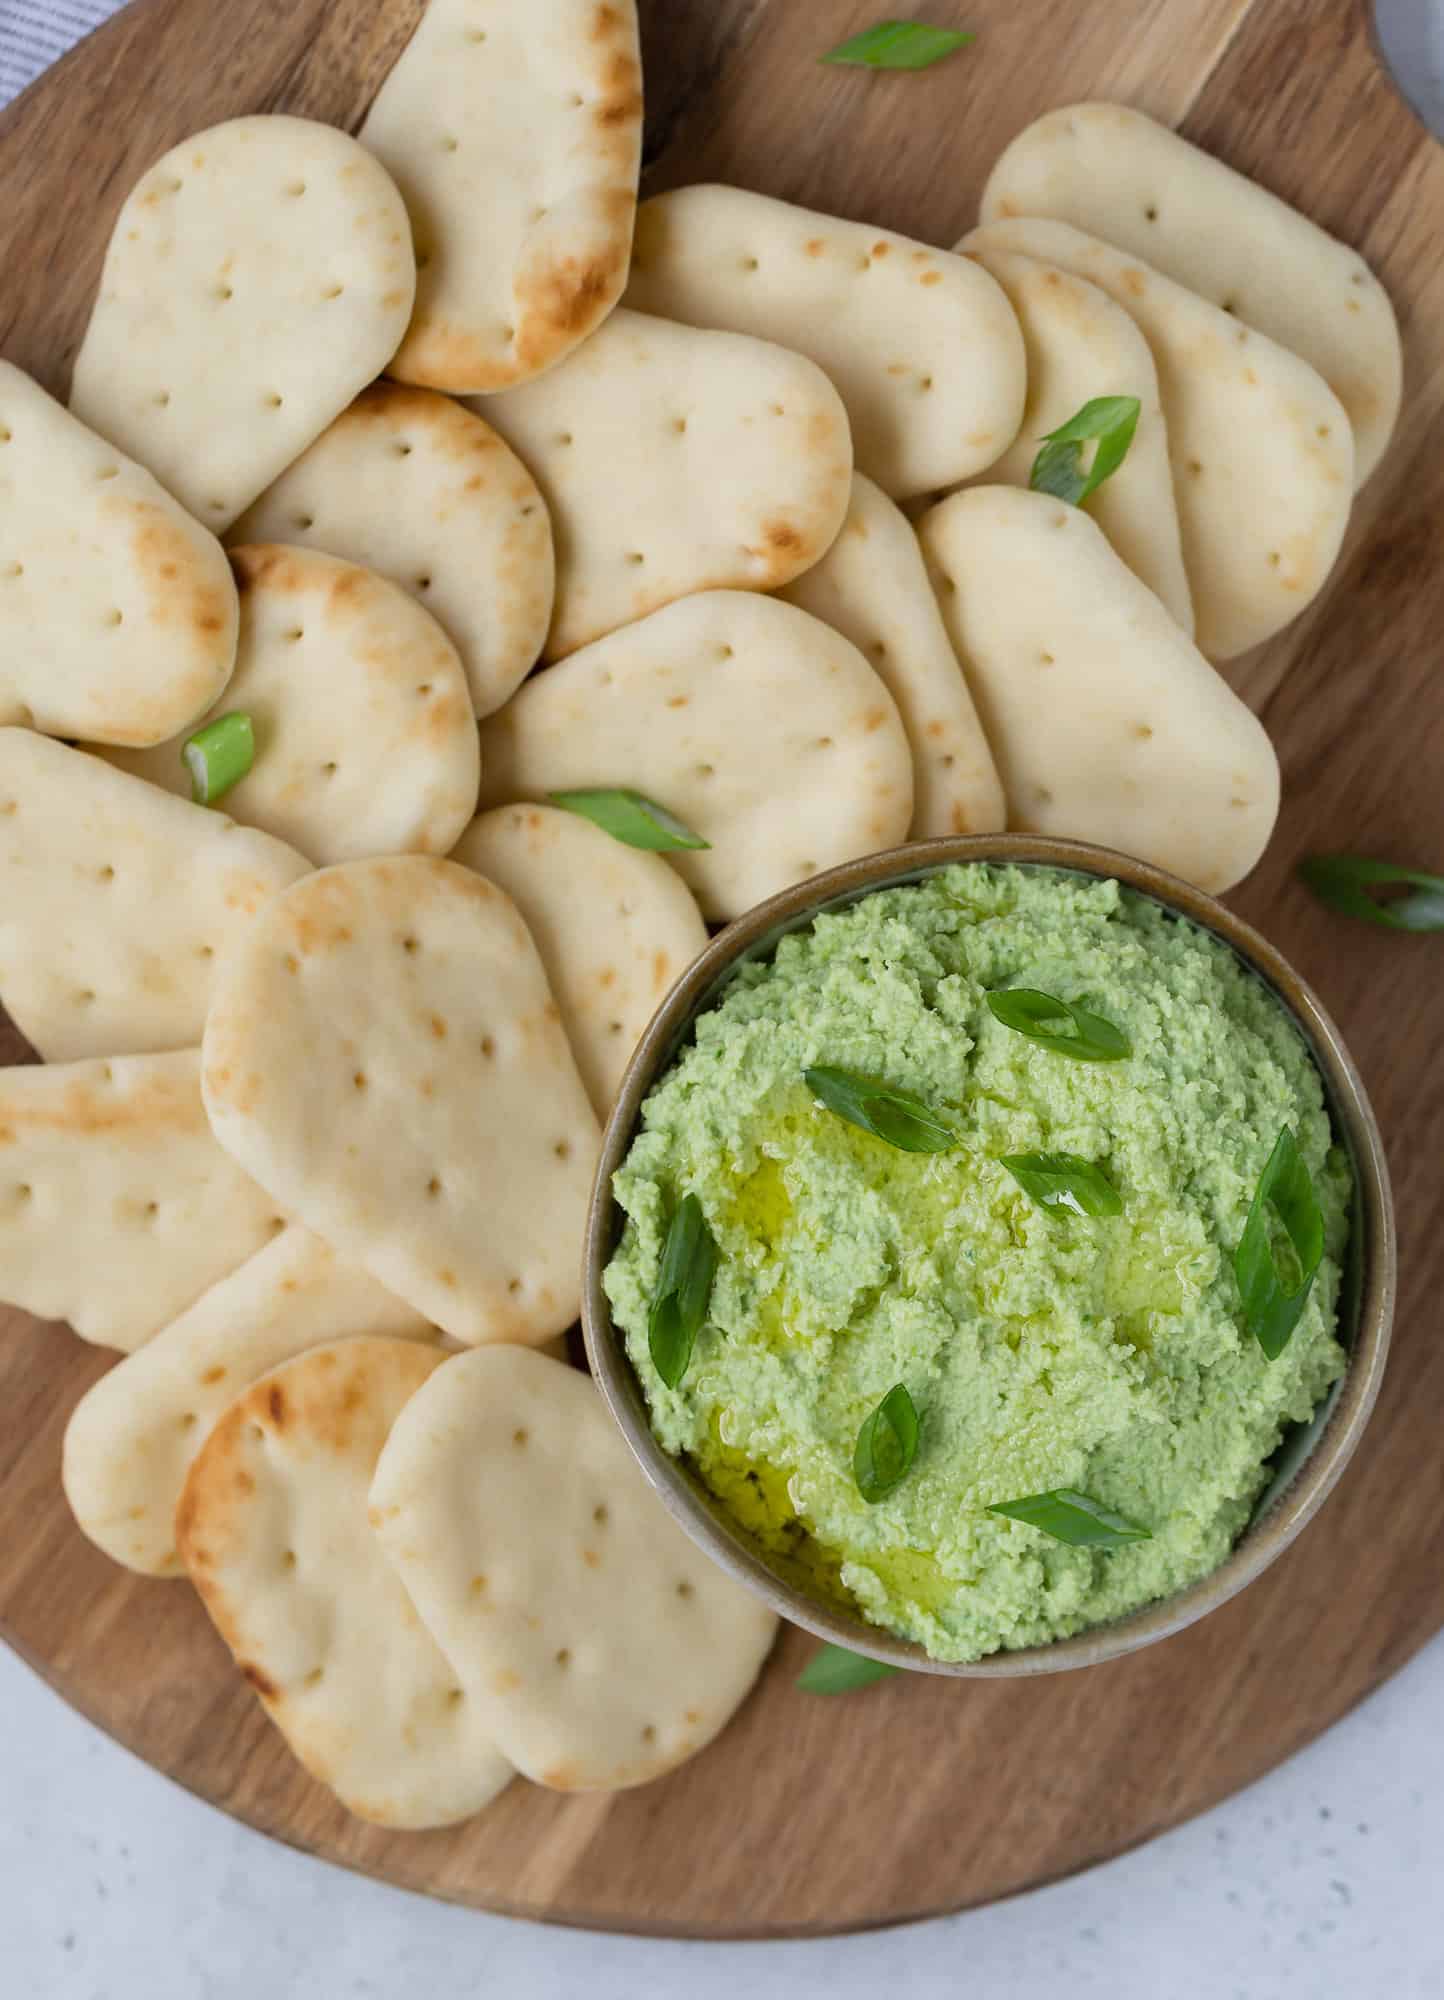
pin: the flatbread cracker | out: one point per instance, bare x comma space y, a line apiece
411, 485
1107, 723
134, 1435
117, 610
923, 348
1262, 453
257, 278
384, 1047
365, 732
598, 1642
872, 587
1081, 344
762, 729
117, 900
273, 1530
614, 926
515, 135
675, 461
117, 1207
1118, 174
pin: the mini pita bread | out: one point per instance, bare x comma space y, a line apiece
1107, 724
134, 1435
117, 900
760, 728
1081, 345
365, 733
384, 1047
411, 485
1118, 174
675, 461
272, 1528
1262, 453
123, 1147
872, 587
117, 610
257, 278
923, 348
515, 135
599, 1644
614, 926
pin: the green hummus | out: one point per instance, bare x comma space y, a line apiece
1040, 1350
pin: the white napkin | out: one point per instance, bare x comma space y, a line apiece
33, 33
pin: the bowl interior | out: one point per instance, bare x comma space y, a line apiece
1311, 1456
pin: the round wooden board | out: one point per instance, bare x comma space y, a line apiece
919, 1796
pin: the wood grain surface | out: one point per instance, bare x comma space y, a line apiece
920, 1795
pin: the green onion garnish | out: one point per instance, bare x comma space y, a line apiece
1340, 881
895, 1116
629, 817
1063, 1180
684, 1287
886, 1445
1281, 1248
899, 45
835, 1670
219, 756
1075, 1518
1058, 468
1028, 1012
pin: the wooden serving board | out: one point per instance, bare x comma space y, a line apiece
921, 1795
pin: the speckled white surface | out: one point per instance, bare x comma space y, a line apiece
1323, 1881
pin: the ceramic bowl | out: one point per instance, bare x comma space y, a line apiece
1308, 1463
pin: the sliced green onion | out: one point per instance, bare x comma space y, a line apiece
684, 1287
629, 817
1063, 1180
835, 1670
1343, 882
1027, 1012
899, 45
886, 1445
1075, 1518
219, 756
895, 1116
1058, 468
1275, 1277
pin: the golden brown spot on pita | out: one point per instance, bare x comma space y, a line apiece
562, 1777
212, 1376
591, 1559
931, 278
447, 1277
478, 1584
684, 1589
814, 246
649, 1733
1133, 281
873, 720
438, 1028
507, 1681
276, 1404
261, 1681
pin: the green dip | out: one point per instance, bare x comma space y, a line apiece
1041, 1350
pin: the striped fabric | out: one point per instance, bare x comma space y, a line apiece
34, 32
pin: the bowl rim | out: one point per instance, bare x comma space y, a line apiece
1297, 1491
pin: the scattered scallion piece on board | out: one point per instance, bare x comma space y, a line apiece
1344, 882
899, 45
834, 1670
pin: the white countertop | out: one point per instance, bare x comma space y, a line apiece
1323, 1880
